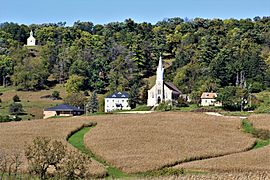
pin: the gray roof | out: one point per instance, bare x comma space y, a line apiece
119, 94
172, 87
63, 107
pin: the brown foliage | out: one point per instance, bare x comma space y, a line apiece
9, 164
52, 158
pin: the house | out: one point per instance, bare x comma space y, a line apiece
117, 101
162, 91
62, 110
209, 99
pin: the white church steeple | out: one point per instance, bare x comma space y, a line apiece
160, 71
159, 92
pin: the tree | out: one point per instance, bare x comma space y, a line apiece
16, 108
16, 98
92, 106
30, 74
74, 84
232, 98
134, 96
43, 154
76, 99
6, 68
145, 93
56, 95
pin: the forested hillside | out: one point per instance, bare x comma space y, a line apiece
206, 54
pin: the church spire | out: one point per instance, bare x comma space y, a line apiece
160, 70
31, 33
160, 66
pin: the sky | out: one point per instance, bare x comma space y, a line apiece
105, 11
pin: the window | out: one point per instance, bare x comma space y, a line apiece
113, 100
107, 100
123, 100
159, 91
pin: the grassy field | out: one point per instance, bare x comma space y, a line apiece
138, 143
32, 102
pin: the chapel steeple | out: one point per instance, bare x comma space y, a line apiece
160, 70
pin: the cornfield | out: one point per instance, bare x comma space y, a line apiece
139, 143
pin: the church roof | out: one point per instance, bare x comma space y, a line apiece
172, 87
63, 107
118, 94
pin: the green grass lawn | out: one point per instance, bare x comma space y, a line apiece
248, 128
77, 140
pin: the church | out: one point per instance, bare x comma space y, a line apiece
162, 91
31, 41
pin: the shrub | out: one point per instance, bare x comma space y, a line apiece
257, 87
44, 154
16, 108
167, 172
9, 164
4, 119
16, 98
86, 93
181, 102
56, 95
164, 106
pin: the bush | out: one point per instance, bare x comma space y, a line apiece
44, 154
16, 108
56, 95
4, 119
142, 108
164, 106
86, 93
16, 98
257, 87
167, 172
181, 102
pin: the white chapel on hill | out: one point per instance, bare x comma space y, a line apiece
162, 91
31, 41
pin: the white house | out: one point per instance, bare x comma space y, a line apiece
117, 101
209, 99
31, 41
162, 91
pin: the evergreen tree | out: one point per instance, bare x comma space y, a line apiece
134, 96
92, 106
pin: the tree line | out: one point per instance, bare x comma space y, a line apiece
206, 54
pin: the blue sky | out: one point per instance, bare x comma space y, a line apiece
104, 11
